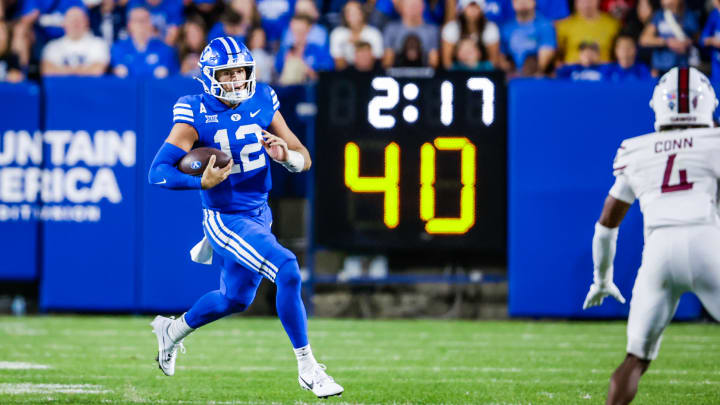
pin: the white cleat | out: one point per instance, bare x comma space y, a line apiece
167, 350
321, 384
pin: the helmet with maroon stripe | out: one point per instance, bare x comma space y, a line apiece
227, 53
683, 97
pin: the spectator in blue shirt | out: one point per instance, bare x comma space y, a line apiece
501, 11
626, 67
711, 38
301, 62
231, 24
275, 16
40, 21
588, 69
167, 17
527, 35
142, 55
670, 33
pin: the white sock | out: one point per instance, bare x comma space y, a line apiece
305, 358
178, 329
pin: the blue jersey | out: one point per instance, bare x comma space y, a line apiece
166, 14
218, 30
157, 60
664, 59
579, 72
501, 11
237, 132
520, 40
712, 29
275, 17
617, 73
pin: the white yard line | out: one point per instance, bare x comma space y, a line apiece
17, 365
29, 388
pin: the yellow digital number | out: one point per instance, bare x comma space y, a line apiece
427, 186
389, 185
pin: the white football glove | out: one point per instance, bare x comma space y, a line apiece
598, 292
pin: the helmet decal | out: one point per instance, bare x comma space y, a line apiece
683, 96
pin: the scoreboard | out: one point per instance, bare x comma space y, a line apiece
410, 161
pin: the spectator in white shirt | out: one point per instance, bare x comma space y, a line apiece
78, 52
471, 22
354, 29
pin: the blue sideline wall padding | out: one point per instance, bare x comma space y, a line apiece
90, 246
19, 120
562, 139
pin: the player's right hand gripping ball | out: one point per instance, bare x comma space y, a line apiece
195, 161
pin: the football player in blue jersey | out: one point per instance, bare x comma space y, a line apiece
239, 116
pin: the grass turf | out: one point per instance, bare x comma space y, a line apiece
94, 360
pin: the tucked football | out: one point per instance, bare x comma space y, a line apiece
195, 161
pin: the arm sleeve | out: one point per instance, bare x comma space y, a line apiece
451, 32
547, 39
336, 42
621, 190
603, 251
183, 112
163, 172
99, 53
376, 42
274, 99
491, 34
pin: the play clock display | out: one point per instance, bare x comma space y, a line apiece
410, 161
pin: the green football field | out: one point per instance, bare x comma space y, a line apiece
110, 360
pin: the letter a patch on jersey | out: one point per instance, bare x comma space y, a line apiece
202, 109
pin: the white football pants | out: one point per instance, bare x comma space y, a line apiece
675, 260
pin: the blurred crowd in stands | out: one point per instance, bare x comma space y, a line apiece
292, 40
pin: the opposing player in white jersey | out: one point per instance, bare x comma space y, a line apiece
674, 174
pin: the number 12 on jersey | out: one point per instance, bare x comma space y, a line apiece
246, 163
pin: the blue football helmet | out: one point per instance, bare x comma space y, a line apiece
227, 53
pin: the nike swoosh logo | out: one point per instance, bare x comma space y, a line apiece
307, 383
252, 115
161, 182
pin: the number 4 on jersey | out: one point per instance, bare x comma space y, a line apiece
683, 185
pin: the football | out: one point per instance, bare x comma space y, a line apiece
195, 161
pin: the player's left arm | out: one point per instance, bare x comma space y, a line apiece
291, 152
603, 248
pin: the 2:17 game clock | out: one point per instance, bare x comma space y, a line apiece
410, 162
